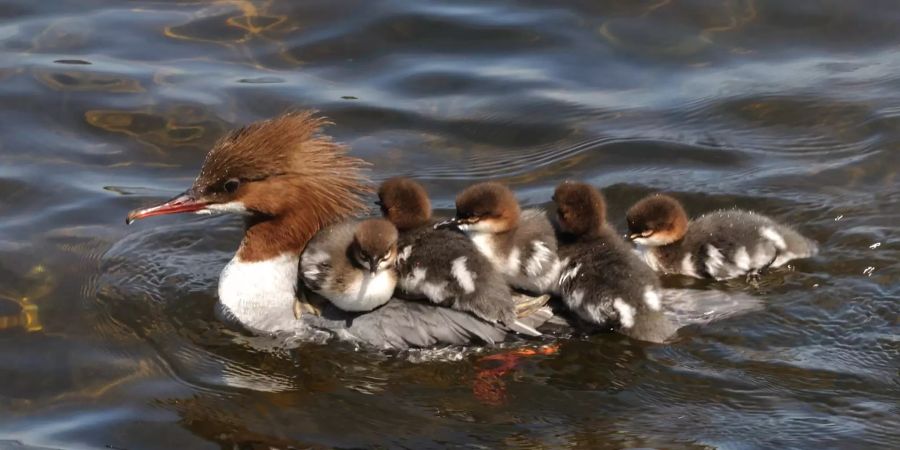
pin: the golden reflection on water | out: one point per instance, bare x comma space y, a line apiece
75, 80
177, 127
24, 312
732, 16
251, 24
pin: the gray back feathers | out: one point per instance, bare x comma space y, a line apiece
731, 243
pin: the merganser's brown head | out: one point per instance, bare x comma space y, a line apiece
374, 245
580, 208
405, 203
488, 207
656, 220
281, 173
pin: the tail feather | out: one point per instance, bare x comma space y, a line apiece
526, 305
523, 328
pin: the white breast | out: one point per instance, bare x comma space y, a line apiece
366, 292
485, 244
261, 294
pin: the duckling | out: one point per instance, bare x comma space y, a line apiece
352, 264
719, 245
603, 281
443, 265
520, 244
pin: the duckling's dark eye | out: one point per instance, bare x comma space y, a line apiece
231, 185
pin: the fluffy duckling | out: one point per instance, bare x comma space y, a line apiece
603, 281
352, 264
520, 244
720, 245
443, 265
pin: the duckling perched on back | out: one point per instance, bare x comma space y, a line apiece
443, 265
352, 264
520, 244
603, 281
719, 245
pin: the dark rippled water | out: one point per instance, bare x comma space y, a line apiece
791, 108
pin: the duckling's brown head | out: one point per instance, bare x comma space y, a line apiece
580, 208
656, 220
404, 202
374, 245
278, 170
488, 207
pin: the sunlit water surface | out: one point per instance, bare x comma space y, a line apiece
789, 108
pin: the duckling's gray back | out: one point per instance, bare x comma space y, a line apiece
535, 242
729, 243
445, 266
606, 283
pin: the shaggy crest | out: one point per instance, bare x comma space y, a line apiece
404, 202
580, 207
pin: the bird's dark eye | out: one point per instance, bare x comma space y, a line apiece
232, 185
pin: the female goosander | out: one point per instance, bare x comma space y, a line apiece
443, 265
520, 244
352, 264
603, 281
289, 181
719, 245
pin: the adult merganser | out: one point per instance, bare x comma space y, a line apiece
288, 181
719, 245
520, 244
443, 265
352, 264
603, 281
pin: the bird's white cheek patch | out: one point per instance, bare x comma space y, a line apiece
626, 313
230, 207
